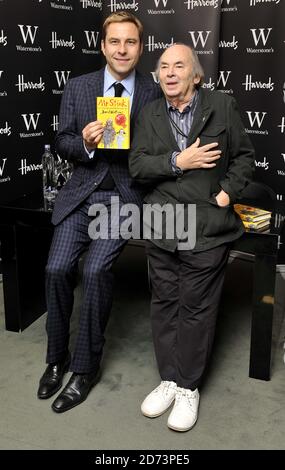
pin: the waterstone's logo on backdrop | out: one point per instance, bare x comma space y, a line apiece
256, 118
61, 77
31, 122
61, 5
56, 42
260, 38
152, 45
6, 130
28, 33
2, 92
223, 81
91, 3
191, 4
27, 86
55, 122
233, 43
3, 38
250, 84
4, 179
199, 39
228, 6
254, 3
92, 42
281, 172
26, 169
117, 6
262, 164
162, 11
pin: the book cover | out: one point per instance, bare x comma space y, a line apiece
252, 214
114, 113
262, 225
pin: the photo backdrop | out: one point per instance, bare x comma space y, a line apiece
43, 43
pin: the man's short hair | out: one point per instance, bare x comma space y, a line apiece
122, 17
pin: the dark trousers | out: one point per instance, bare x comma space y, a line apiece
70, 240
186, 290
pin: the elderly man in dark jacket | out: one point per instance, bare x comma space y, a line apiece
190, 147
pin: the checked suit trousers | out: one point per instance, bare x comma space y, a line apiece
70, 240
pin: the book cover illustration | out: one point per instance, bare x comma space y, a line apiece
114, 113
252, 214
253, 218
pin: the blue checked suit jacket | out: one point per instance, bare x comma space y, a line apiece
78, 108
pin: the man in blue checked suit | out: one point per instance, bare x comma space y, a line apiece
98, 175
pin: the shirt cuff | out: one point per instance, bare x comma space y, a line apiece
174, 167
90, 154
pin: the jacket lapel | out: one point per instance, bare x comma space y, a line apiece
94, 88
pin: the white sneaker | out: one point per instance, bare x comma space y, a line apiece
159, 400
185, 411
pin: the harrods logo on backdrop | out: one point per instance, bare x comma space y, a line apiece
258, 3
232, 43
25, 168
91, 4
55, 122
57, 41
115, 6
153, 44
251, 84
24, 85
6, 130
191, 4
3, 38
282, 125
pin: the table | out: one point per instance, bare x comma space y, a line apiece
26, 233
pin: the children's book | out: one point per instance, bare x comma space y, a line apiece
252, 214
114, 113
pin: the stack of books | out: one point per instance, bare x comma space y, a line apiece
253, 218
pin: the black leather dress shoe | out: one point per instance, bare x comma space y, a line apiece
51, 381
75, 391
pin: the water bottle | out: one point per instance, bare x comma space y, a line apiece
49, 183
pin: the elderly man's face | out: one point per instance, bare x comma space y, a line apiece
176, 73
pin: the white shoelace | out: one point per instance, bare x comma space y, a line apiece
188, 394
165, 386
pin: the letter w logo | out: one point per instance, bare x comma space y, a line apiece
200, 37
222, 78
92, 38
261, 35
26, 32
32, 120
62, 76
256, 118
157, 2
2, 166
